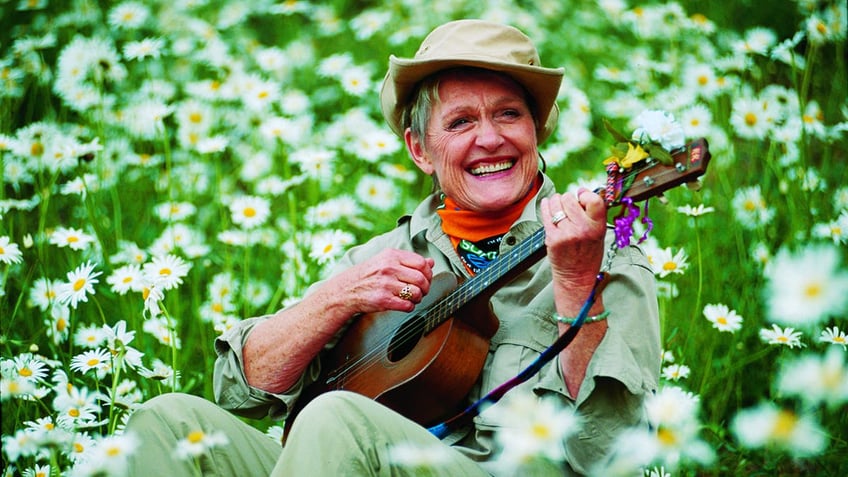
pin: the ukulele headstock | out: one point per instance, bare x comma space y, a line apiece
650, 177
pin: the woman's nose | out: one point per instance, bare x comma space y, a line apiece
489, 134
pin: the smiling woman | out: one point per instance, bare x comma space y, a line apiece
128, 130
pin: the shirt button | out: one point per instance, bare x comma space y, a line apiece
510, 240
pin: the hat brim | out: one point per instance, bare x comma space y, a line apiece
404, 74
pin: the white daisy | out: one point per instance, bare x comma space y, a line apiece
377, 192
89, 336
145, 48
328, 245
197, 443
834, 336
250, 212
751, 209
696, 211
749, 119
816, 379
166, 272
767, 425
836, 230
58, 323
80, 283
126, 278
174, 211
782, 336
675, 372
9, 251
97, 359
317, 163
806, 287
666, 262
722, 317
128, 15
356, 81
70, 237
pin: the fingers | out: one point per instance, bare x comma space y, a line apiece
573, 212
402, 278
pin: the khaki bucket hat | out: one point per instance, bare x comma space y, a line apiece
480, 44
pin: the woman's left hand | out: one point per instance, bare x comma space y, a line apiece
575, 241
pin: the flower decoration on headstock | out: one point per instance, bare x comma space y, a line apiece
657, 136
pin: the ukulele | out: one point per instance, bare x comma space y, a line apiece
422, 364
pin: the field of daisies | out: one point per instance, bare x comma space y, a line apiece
172, 167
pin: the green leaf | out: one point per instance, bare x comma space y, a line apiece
615, 134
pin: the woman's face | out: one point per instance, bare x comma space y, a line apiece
480, 142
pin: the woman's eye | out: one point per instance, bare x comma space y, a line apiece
457, 123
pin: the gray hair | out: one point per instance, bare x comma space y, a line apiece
416, 114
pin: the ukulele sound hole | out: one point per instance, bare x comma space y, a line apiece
405, 339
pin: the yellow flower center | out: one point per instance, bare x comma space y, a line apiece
113, 451
164, 272
784, 425
93, 362
73, 239
78, 448
750, 119
666, 436
328, 248
79, 284
669, 266
249, 212
36, 149
540, 431
722, 320
217, 307
195, 117
25, 372
61, 324
750, 205
127, 279
195, 437
813, 290
74, 412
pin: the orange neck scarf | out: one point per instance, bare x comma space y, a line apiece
474, 227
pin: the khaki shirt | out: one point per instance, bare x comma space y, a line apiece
624, 368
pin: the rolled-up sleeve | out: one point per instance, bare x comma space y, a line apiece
230, 386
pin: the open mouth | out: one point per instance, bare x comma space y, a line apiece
485, 169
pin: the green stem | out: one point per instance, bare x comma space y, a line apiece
172, 335
117, 366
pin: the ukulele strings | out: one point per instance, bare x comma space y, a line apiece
440, 310
453, 301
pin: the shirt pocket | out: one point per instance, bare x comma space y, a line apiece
516, 345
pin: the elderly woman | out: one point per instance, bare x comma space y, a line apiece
472, 107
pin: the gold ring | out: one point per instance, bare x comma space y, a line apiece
558, 217
405, 293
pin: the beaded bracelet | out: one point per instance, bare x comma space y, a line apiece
589, 319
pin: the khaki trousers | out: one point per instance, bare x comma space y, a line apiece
337, 434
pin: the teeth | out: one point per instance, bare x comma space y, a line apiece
490, 168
